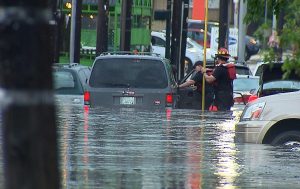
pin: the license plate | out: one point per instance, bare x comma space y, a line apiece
127, 100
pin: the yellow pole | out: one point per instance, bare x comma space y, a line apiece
204, 57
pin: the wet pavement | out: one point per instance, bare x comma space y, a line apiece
174, 149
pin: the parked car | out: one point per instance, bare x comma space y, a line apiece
272, 81
193, 52
242, 68
243, 87
196, 32
70, 82
198, 36
125, 79
273, 119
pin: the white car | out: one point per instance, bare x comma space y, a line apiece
243, 87
273, 119
194, 52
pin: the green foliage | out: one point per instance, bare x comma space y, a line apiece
263, 31
289, 36
255, 11
83, 61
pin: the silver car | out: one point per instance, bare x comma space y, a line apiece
123, 79
70, 81
273, 119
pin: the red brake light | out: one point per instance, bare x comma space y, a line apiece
169, 98
242, 100
239, 100
252, 98
86, 97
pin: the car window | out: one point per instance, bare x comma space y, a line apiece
258, 70
194, 43
200, 25
65, 83
189, 45
171, 74
245, 84
156, 41
84, 75
282, 84
196, 35
243, 70
195, 25
126, 72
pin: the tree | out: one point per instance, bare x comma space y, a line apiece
288, 16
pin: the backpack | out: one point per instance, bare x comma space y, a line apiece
231, 70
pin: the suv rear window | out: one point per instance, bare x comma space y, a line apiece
126, 72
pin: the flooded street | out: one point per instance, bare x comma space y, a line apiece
126, 148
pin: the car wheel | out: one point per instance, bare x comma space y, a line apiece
188, 66
289, 138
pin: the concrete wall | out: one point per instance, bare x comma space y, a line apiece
158, 25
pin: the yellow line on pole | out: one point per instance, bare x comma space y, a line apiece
204, 56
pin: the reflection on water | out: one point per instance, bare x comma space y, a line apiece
227, 167
127, 148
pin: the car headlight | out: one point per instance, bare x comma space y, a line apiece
253, 111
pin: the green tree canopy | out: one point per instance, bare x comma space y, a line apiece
288, 30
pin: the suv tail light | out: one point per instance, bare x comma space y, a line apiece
169, 98
86, 98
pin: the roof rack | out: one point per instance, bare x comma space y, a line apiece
130, 53
66, 65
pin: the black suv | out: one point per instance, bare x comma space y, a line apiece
125, 79
272, 80
70, 81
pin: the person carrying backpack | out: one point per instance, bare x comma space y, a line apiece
222, 81
197, 80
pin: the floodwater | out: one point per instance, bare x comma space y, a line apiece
172, 149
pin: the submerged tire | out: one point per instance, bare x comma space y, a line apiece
287, 138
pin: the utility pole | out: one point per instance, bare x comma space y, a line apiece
30, 155
102, 26
175, 39
57, 29
242, 31
280, 28
75, 31
126, 25
223, 24
178, 40
168, 29
184, 16
236, 13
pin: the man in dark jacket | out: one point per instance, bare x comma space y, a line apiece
197, 80
223, 85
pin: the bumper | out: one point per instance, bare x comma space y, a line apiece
250, 131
